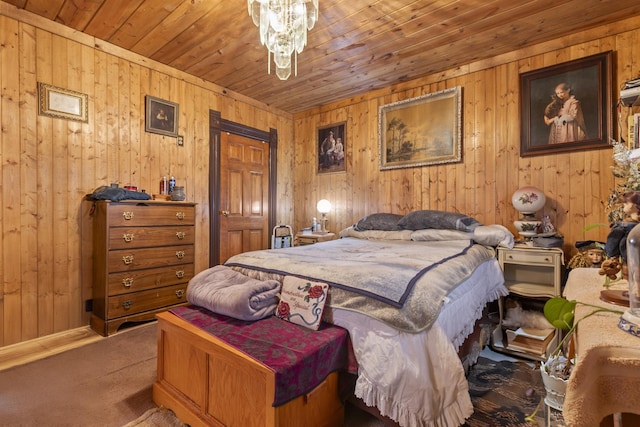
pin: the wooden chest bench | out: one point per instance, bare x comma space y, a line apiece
208, 382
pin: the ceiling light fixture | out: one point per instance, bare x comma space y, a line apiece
283, 28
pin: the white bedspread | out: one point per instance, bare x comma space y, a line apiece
418, 379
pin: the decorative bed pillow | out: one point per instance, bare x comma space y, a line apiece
419, 220
302, 301
376, 234
378, 221
494, 235
436, 234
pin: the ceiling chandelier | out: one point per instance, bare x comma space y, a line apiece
283, 28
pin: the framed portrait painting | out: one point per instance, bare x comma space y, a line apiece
161, 116
332, 148
421, 131
567, 107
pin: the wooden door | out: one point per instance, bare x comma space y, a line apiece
244, 195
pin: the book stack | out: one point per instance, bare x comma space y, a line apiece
529, 340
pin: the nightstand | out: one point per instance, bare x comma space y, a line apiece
532, 275
311, 238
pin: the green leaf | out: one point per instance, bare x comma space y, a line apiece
559, 312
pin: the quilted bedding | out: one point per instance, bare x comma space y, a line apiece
399, 281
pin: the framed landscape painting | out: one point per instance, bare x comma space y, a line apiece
421, 131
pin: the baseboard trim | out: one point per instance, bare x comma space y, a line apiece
39, 348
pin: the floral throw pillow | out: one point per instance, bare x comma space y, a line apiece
302, 302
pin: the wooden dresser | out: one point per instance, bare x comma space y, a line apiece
143, 258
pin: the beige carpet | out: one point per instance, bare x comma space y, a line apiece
109, 383
106, 383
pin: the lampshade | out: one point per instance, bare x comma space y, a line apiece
528, 200
324, 206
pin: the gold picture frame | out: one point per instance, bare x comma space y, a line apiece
421, 131
62, 103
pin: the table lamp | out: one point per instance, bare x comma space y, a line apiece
528, 200
324, 206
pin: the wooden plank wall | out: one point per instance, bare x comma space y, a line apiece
576, 184
49, 164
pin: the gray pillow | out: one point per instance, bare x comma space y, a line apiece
378, 221
419, 220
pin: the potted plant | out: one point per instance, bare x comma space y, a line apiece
555, 371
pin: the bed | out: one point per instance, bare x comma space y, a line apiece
409, 290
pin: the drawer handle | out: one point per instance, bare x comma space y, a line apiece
127, 215
179, 254
127, 304
180, 274
180, 235
180, 215
180, 293
127, 259
127, 282
127, 237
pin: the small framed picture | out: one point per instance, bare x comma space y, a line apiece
62, 103
161, 116
567, 107
332, 149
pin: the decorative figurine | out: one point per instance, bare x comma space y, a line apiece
591, 255
616, 245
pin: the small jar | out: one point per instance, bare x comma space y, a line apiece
177, 194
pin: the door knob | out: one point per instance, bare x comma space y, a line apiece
225, 213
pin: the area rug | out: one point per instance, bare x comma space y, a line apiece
156, 417
505, 393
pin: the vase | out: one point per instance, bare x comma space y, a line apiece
555, 387
177, 194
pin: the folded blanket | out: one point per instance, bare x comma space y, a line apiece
225, 291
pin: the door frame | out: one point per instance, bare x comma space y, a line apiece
217, 125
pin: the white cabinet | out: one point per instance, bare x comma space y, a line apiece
532, 272
532, 276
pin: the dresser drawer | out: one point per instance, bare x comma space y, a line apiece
136, 259
528, 257
138, 302
144, 237
140, 280
137, 215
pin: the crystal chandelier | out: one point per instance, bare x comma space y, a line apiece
283, 28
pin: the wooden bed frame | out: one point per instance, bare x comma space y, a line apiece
207, 382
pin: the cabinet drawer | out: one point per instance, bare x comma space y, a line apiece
127, 304
130, 215
136, 259
139, 237
306, 241
527, 257
140, 280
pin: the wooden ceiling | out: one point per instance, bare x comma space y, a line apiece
356, 46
